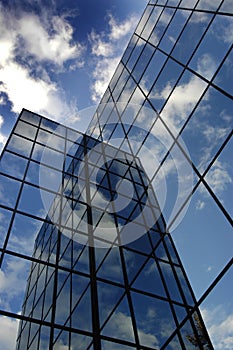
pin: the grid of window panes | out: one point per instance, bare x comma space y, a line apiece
175, 81
78, 296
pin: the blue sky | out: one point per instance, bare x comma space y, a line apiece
58, 56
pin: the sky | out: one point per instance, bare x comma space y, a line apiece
57, 57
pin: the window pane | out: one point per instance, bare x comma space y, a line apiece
13, 165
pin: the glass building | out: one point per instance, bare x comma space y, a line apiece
88, 222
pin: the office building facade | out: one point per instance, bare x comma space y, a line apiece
92, 284
87, 219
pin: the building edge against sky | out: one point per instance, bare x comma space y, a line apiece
186, 86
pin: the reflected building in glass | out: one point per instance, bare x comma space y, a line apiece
87, 219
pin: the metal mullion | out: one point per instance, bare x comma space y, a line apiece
56, 270
92, 265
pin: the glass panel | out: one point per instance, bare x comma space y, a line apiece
81, 316
143, 19
178, 107
220, 178
120, 84
133, 263
30, 117
227, 6
81, 260
212, 49
151, 22
9, 190
210, 124
119, 325
142, 61
48, 156
173, 31
63, 298
154, 320
188, 3
207, 5
31, 202
51, 140
161, 26
217, 312
125, 58
108, 297
23, 234
14, 274
40, 175
204, 245
170, 281
116, 76
5, 217
8, 334
80, 341
165, 83
191, 36
111, 268
153, 70
24, 129
224, 76
20, 145
135, 54
13, 165
53, 126
149, 279
107, 345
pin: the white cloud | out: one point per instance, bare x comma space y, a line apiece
11, 281
36, 40
220, 327
218, 177
8, 332
120, 30
107, 48
200, 205
102, 75
182, 101
49, 42
121, 327
3, 138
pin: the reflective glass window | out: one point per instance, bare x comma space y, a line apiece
213, 49
161, 26
151, 22
9, 191
20, 145
13, 165
30, 117
224, 77
191, 36
173, 30
24, 129
144, 19
164, 84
